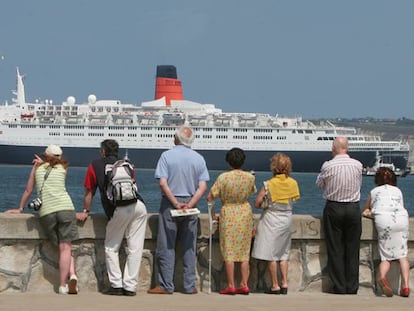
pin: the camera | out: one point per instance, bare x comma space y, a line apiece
35, 204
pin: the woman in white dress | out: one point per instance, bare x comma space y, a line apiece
386, 204
273, 237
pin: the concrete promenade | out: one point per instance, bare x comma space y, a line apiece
314, 301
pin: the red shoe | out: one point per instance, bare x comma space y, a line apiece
405, 292
243, 290
385, 287
228, 291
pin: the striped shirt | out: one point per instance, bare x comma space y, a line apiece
54, 196
341, 179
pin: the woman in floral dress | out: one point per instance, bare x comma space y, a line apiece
391, 221
234, 188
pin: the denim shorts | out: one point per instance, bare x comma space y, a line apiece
60, 226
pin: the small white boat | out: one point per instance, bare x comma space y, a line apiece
379, 162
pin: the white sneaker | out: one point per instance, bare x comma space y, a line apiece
73, 282
63, 290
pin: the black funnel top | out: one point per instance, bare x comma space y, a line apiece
166, 71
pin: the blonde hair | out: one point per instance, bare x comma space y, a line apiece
281, 164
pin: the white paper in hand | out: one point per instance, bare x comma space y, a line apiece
184, 212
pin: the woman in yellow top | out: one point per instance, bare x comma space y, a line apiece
234, 188
273, 236
57, 213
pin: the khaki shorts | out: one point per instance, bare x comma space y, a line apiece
60, 226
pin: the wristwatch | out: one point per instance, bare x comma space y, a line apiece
85, 211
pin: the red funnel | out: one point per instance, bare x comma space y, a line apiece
167, 84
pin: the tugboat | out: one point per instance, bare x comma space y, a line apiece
370, 171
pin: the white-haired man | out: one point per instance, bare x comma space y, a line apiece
183, 176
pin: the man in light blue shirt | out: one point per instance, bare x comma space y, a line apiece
183, 176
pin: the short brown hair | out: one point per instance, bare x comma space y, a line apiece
385, 176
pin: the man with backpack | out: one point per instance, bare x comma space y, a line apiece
183, 176
126, 212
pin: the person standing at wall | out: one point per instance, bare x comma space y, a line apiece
56, 213
341, 180
234, 189
274, 230
386, 204
183, 176
127, 221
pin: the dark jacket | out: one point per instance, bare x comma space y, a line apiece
99, 168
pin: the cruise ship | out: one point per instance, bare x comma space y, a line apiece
145, 131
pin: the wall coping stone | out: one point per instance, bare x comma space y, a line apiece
305, 227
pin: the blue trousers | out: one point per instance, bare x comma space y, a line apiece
184, 229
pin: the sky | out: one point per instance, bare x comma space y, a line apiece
309, 58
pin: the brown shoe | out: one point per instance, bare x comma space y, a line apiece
193, 292
158, 290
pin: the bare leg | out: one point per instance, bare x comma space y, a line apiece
72, 266
230, 273
405, 272
284, 271
273, 274
384, 268
65, 250
245, 271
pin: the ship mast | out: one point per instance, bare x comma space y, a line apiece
19, 93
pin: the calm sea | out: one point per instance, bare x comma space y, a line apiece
14, 180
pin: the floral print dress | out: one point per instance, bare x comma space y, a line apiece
234, 188
391, 221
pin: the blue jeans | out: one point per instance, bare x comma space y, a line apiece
169, 229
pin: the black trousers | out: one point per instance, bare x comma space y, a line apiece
342, 227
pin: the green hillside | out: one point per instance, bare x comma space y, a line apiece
386, 128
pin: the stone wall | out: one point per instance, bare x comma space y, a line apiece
28, 262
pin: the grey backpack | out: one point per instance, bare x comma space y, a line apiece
120, 185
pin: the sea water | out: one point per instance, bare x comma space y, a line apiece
14, 179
